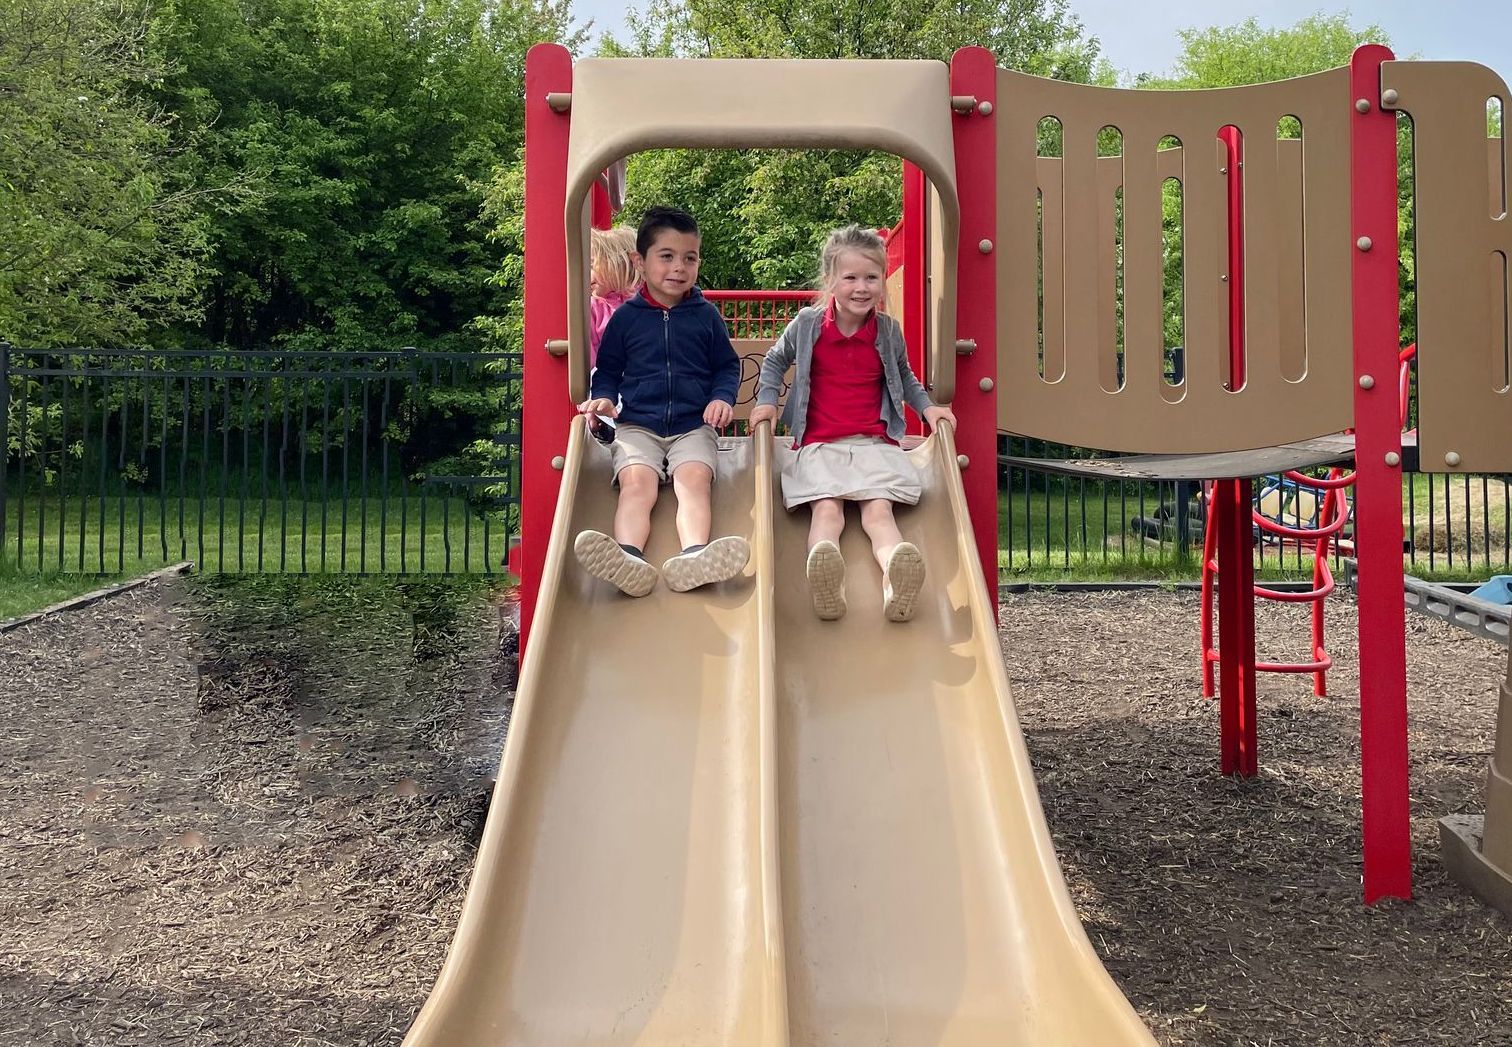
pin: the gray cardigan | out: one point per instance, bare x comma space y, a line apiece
797, 344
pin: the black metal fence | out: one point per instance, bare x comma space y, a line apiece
374, 462
1055, 524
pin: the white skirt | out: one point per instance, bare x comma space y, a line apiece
857, 469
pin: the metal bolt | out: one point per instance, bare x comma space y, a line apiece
1362, 105
1452, 459
1363, 243
962, 461
985, 246
985, 108
559, 101
985, 385
1392, 458
1389, 96
1224, 278
1241, 165
558, 462
1223, 170
1367, 381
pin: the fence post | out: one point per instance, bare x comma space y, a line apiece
5, 351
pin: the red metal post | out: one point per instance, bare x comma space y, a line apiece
1236, 630
973, 71
915, 260
1378, 484
1236, 548
546, 408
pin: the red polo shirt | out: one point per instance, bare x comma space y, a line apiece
845, 384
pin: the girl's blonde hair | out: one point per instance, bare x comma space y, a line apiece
613, 254
855, 238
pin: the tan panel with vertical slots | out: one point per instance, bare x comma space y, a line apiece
1298, 349
1464, 406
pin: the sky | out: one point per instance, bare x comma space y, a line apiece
1141, 37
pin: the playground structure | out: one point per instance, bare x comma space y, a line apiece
717, 821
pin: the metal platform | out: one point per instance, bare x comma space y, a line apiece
1264, 461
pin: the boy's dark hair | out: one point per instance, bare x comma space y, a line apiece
658, 218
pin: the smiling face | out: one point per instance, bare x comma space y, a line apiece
671, 265
857, 283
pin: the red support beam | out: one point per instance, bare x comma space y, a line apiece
1236, 629
915, 233
1378, 483
546, 408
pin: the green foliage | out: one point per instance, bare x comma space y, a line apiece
369, 128
102, 228
1248, 53
765, 213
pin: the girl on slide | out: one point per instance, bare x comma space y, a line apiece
845, 412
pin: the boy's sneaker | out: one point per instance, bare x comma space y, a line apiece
902, 581
605, 559
826, 580
720, 560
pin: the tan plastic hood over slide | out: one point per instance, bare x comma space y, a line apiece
719, 821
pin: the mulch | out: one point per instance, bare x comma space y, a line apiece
245, 813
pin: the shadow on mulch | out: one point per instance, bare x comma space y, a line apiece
1230, 911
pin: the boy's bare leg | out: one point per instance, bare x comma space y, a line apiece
638, 488
604, 556
825, 567
902, 563
692, 482
701, 562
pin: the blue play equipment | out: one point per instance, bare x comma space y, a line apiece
1497, 590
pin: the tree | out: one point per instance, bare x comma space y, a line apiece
764, 213
1247, 53
370, 128
103, 235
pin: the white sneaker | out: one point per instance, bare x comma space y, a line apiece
602, 557
826, 580
902, 581
719, 561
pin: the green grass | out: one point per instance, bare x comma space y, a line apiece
24, 593
125, 536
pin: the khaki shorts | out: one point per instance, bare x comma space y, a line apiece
666, 454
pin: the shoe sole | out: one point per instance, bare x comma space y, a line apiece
826, 580
719, 561
601, 556
905, 577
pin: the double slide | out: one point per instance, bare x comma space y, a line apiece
720, 821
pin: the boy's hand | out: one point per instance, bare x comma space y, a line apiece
594, 408
718, 414
936, 414
764, 413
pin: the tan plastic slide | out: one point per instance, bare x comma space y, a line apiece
720, 821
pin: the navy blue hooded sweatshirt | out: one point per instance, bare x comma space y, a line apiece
666, 365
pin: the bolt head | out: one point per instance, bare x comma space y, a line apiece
962, 461
1452, 459
1393, 459
1364, 243
1367, 381
985, 108
985, 246
1362, 105
1389, 96
558, 462
985, 385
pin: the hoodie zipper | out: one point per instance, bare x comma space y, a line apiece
667, 346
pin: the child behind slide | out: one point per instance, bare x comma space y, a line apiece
613, 279
667, 360
845, 411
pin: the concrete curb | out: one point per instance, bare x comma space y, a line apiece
74, 603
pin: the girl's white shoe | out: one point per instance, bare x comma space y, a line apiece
826, 580
901, 582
